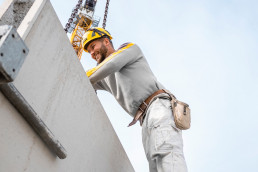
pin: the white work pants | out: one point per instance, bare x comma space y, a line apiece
162, 141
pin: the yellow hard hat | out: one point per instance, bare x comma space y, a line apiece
92, 34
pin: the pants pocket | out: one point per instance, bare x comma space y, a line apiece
166, 138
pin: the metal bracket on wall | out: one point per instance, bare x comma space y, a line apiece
12, 54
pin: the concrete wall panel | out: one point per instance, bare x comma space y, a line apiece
53, 81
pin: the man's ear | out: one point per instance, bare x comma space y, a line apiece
106, 41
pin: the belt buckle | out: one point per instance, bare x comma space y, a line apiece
145, 107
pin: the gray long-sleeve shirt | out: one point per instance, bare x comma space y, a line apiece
127, 75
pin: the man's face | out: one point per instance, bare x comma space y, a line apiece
98, 50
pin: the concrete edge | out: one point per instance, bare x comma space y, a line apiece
30, 18
5, 6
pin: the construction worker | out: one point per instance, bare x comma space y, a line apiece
126, 74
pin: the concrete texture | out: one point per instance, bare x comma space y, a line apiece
14, 11
53, 81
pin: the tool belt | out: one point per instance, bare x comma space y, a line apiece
140, 112
181, 111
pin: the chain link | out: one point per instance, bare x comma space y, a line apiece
105, 15
74, 12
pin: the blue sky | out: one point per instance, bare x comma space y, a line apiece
205, 52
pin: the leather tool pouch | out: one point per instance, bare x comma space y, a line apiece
181, 113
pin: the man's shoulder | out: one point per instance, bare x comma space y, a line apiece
125, 45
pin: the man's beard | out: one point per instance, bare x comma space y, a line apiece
103, 53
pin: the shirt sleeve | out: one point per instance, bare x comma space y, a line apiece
98, 86
113, 63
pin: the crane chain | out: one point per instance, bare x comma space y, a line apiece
105, 15
73, 15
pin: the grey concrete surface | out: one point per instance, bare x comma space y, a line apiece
54, 83
14, 11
